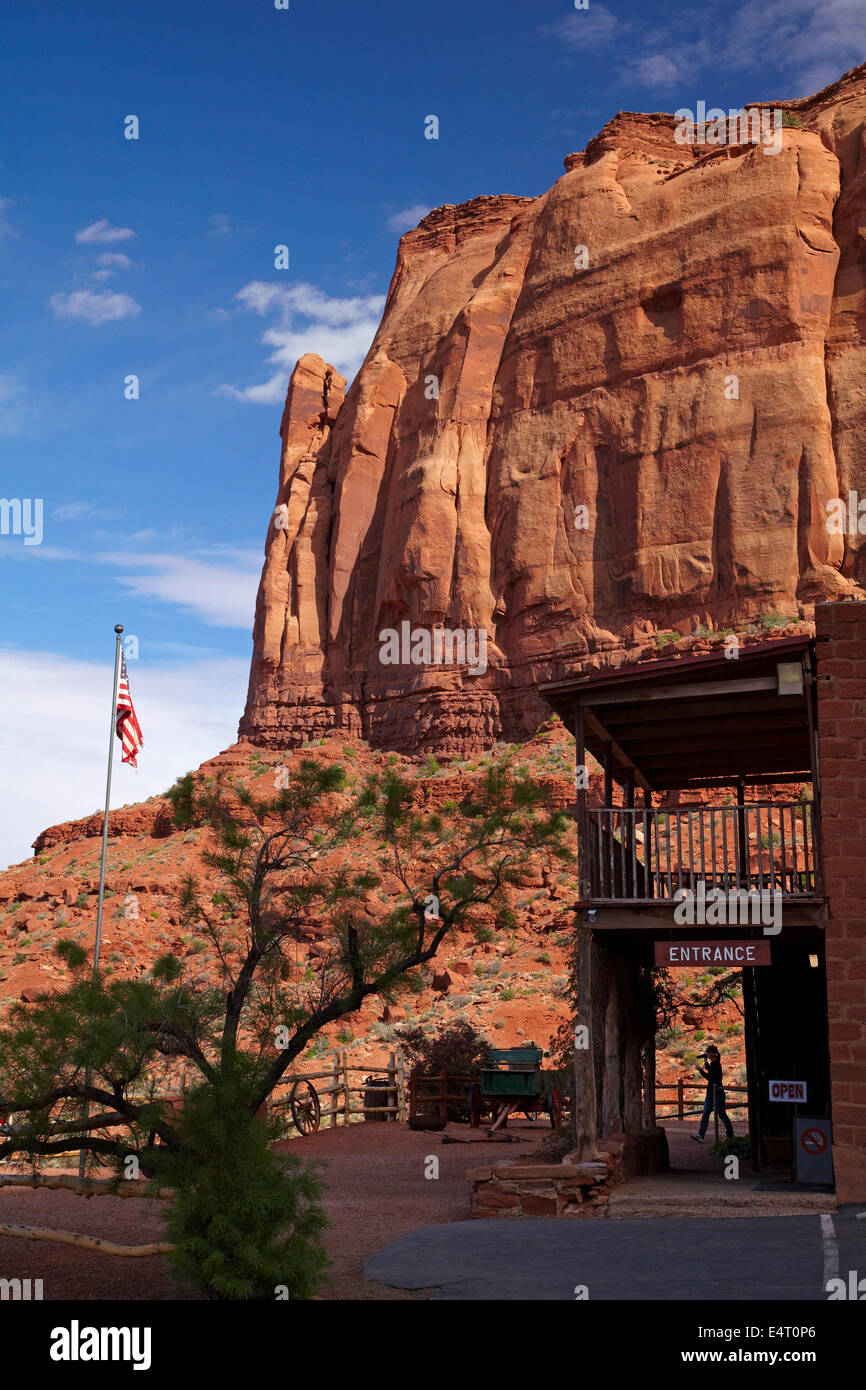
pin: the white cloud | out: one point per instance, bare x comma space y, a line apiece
114, 260
82, 511
408, 217
811, 42
102, 231
656, 70
308, 320
188, 712
221, 224
94, 307
221, 590
589, 29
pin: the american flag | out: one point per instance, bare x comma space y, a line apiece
127, 726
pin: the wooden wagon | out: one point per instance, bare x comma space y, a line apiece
514, 1081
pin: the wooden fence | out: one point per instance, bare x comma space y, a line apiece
681, 1086
342, 1093
431, 1095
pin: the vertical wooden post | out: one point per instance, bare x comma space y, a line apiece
585, 1119
335, 1083
401, 1090
607, 764
754, 1097
649, 1082
742, 844
817, 840
629, 839
632, 1111
611, 1105
681, 1101
583, 845
347, 1098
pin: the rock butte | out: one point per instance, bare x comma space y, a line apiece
561, 388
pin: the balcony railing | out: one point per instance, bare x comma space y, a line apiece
644, 855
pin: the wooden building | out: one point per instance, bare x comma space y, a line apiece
711, 829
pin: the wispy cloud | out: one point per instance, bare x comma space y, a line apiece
14, 404
221, 224
187, 708
102, 231
589, 29
409, 217
94, 307
83, 511
809, 41
114, 260
217, 587
307, 320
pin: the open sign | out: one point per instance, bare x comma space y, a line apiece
788, 1091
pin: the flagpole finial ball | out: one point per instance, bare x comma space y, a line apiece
118, 627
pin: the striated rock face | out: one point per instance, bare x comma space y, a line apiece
568, 458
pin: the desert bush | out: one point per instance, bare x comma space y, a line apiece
458, 1047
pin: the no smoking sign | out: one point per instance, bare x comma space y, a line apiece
814, 1141
813, 1152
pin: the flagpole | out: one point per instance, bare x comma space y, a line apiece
111, 736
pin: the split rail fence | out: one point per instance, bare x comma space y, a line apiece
681, 1086
342, 1093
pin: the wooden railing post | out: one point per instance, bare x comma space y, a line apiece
401, 1090
347, 1098
335, 1083
681, 1110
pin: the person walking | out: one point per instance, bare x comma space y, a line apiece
715, 1097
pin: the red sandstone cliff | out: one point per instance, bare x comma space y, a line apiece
559, 388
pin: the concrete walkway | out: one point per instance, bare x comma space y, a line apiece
767, 1257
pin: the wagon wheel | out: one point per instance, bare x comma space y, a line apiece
555, 1108
306, 1110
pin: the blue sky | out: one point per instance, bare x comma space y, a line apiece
155, 257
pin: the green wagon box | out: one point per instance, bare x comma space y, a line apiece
513, 1071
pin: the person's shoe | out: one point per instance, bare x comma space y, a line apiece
697, 1138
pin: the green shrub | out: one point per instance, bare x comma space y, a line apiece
458, 1047
738, 1144
245, 1220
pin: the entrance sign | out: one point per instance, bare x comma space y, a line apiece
788, 1091
724, 952
813, 1149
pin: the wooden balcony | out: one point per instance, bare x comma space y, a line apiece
640, 856
733, 726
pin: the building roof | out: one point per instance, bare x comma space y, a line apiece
699, 720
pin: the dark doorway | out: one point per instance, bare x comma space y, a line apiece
785, 1008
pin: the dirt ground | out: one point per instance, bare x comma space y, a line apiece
375, 1191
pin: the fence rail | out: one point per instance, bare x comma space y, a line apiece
681, 1086
341, 1090
646, 855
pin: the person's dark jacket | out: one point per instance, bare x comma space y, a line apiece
713, 1074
